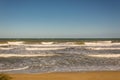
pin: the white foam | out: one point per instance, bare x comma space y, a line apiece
101, 43
15, 69
115, 43
6, 48
47, 43
44, 48
39, 45
104, 48
16, 43
104, 55
52, 45
3, 44
25, 55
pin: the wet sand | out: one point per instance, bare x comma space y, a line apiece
103, 75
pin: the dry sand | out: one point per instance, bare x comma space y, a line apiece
69, 76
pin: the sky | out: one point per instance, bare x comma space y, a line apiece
59, 18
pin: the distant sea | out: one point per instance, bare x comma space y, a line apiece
59, 39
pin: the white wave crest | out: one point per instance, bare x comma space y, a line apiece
25, 55
15, 69
44, 48
104, 55
6, 48
3, 44
16, 43
104, 48
47, 43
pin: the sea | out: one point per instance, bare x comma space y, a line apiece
45, 55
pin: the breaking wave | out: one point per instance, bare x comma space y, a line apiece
44, 48
15, 69
100, 48
104, 55
25, 55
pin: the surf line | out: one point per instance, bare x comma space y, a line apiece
104, 55
26, 55
15, 69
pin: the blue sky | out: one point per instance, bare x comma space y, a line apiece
59, 18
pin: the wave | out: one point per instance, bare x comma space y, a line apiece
12, 43
26, 55
4, 44
44, 48
103, 48
16, 43
47, 43
6, 48
104, 55
15, 69
101, 43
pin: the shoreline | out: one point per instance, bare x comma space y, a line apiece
92, 75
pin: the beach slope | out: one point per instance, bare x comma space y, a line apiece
110, 75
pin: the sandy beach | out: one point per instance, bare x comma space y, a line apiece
107, 75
